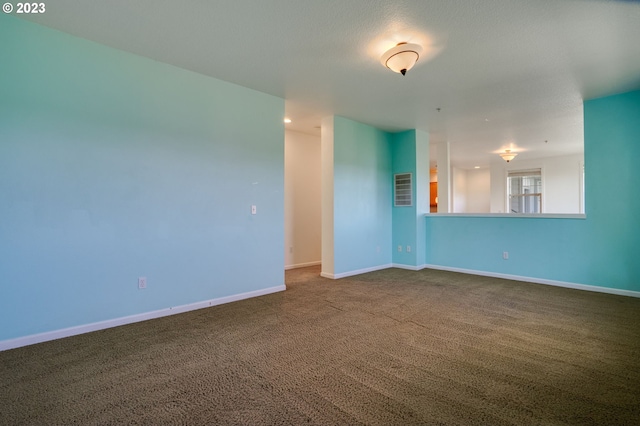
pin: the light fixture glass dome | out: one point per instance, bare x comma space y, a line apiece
507, 155
402, 57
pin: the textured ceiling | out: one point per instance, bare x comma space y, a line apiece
505, 73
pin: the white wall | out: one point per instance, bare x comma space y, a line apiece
459, 188
471, 190
302, 198
445, 201
478, 191
326, 196
561, 183
561, 192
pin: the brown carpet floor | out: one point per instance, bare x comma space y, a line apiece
391, 347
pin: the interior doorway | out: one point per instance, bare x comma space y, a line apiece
302, 200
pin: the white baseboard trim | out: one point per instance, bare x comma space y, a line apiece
302, 265
408, 267
565, 284
356, 272
101, 325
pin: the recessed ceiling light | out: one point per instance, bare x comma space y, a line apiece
287, 120
476, 167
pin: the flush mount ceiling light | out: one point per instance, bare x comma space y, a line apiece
507, 155
402, 57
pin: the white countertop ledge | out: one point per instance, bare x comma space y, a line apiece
512, 215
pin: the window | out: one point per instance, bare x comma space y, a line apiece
402, 185
524, 188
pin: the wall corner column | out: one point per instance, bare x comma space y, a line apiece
327, 197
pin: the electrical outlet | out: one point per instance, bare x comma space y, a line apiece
505, 255
408, 249
400, 248
142, 282
290, 249
254, 210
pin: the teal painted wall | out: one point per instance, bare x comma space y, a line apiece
403, 146
601, 250
538, 248
612, 182
362, 196
410, 154
368, 228
113, 166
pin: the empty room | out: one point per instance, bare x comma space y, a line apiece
327, 212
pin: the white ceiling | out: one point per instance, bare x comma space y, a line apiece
505, 73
